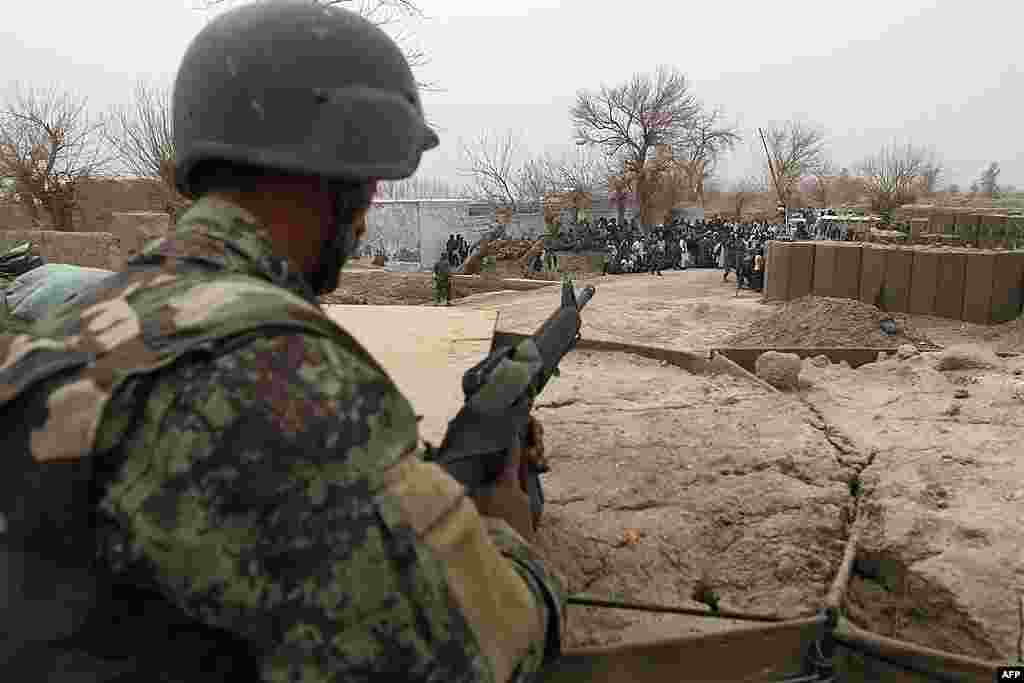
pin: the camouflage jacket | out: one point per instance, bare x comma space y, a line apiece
257, 468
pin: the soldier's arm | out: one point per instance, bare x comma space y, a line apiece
276, 493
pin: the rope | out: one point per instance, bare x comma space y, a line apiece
873, 653
842, 579
865, 643
650, 607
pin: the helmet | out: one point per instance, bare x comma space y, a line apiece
300, 88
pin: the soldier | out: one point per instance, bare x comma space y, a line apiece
550, 260
657, 254
442, 282
205, 479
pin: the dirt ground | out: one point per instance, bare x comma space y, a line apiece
664, 480
829, 322
364, 284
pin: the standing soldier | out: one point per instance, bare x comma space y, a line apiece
442, 282
204, 478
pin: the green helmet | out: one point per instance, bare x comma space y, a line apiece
294, 86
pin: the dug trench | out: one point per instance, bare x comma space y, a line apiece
940, 558
670, 487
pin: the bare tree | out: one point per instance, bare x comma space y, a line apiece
795, 149
988, 181
492, 161
579, 176
892, 175
746, 190
534, 179
49, 144
702, 147
824, 184
142, 137
629, 121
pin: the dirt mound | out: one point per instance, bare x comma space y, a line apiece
383, 288
828, 321
510, 249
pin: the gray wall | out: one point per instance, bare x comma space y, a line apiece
423, 226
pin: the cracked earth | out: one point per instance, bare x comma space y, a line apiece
665, 484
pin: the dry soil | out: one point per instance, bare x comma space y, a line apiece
662, 480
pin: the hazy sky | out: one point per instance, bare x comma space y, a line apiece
947, 74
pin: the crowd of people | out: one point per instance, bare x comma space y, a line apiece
456, 250
732, 246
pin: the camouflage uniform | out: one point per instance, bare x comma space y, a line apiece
442, 282
258, 488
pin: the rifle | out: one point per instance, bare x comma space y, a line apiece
478, 438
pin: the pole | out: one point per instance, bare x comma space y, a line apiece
775, 181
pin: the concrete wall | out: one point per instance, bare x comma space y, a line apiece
976, 285
422, 226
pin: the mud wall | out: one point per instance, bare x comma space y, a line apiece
975, 285
108, 250
90, 249
98, 200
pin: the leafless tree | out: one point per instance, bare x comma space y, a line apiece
493, 163
629, 121
702, 147
795, 149
746, 190
824, 185
953, 188
49, 144
988, 181
579, 175
892, 176
534, 179
142, 137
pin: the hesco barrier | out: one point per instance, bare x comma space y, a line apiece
976, 285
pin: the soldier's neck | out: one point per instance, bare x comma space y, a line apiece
293, 218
